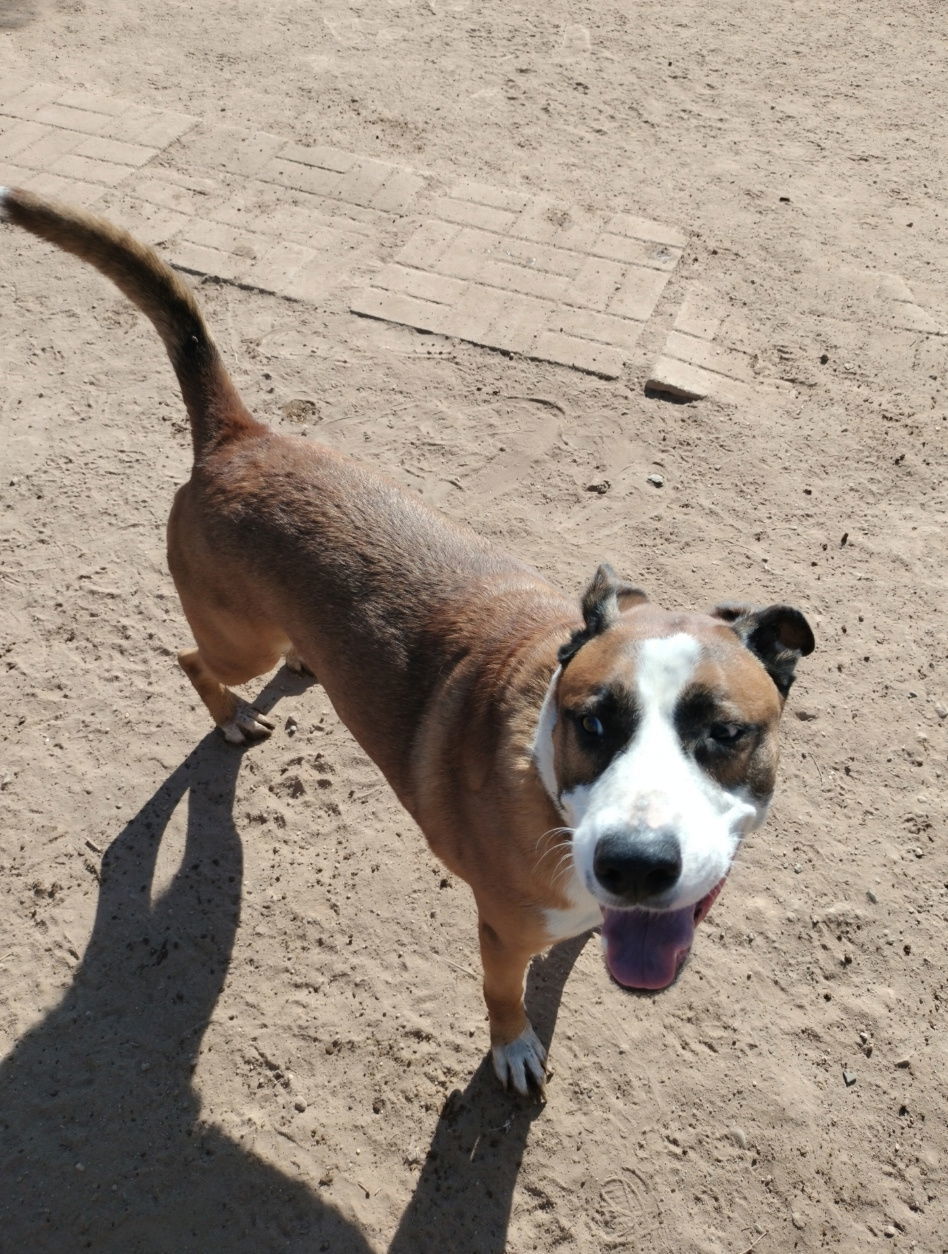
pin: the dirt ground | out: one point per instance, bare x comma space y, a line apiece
239, 1000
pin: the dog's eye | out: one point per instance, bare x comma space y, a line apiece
591, 725
727, 734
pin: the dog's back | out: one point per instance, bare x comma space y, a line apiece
278, 543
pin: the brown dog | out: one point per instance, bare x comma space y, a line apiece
574, 771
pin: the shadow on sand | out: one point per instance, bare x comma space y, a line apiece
16, 13
463, 1196
101, 1143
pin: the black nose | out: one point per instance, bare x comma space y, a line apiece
638, 866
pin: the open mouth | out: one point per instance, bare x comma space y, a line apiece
645, 949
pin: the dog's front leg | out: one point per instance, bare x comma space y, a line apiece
518, 1055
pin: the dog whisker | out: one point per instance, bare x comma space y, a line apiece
553, 832
556, 846
563, 868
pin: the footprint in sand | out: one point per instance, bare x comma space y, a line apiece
574, 42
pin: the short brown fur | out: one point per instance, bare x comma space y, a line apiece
434, 648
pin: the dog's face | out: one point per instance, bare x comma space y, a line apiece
658, 743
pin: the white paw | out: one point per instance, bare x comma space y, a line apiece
521, 1063
247, 724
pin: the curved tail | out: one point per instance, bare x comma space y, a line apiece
216, 411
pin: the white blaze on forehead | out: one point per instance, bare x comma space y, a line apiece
665, 667
660, 775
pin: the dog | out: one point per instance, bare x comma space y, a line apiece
578, 764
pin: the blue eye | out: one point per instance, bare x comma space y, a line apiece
591, 725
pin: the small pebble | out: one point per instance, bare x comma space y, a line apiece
739, 1137
941, 711
903, 1062
849, 1078
292, 726
300, 1106
657, 481
889, 1230
600, 488
870, 896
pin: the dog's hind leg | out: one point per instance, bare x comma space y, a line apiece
230, 618
230, 651
238, 721
293, 662
233, 647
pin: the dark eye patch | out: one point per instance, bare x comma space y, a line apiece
602, 726
696, 710
706, 726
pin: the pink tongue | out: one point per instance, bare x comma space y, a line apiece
645, 948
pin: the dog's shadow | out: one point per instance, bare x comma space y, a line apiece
102, 1146
101, 1143
464, 1193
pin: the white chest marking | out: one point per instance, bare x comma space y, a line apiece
577, 918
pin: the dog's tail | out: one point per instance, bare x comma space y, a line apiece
217, 413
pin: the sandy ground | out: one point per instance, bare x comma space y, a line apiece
238, 998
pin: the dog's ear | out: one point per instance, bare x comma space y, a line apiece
603, 601
778, 635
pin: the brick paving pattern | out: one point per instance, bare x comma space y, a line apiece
692, 366
497, 267
244, 206
76, 144
501, 268
527, 275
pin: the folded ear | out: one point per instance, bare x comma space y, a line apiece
603, 601
778, 635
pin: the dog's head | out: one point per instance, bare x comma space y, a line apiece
658, 744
